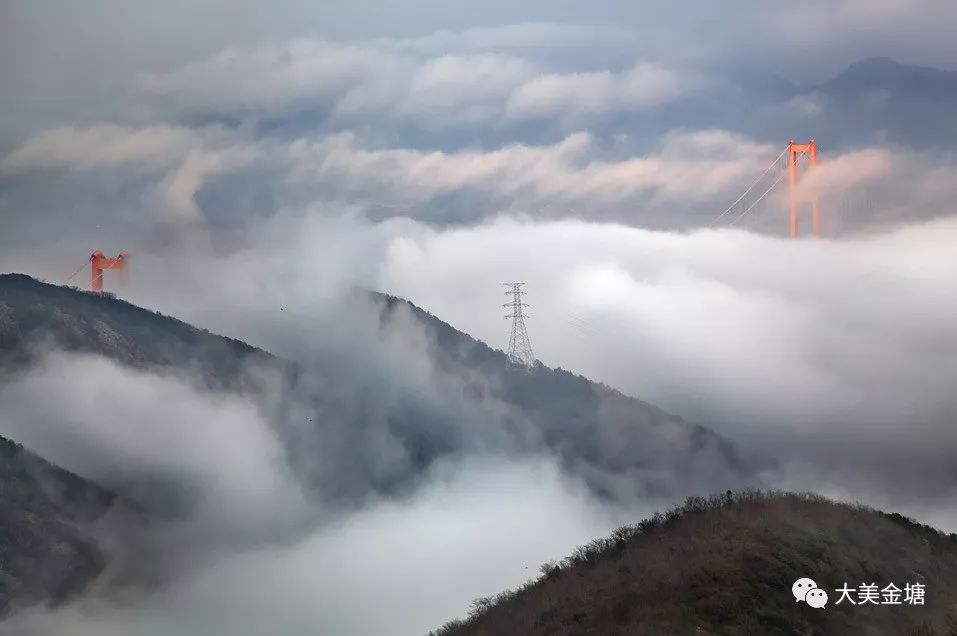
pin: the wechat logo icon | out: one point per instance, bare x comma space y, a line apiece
805, 589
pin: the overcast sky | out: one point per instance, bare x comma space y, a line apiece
118, 120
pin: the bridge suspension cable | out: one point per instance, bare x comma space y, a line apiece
751, 187
761, 198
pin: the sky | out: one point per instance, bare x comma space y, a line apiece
252, 159
124, 123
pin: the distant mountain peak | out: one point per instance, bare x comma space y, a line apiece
878, 62
887, 73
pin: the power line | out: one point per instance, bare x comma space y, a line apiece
519, 346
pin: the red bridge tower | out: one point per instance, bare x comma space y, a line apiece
795, 149
98, 263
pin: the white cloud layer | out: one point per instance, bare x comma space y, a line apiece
397, 567
119, 427
101, 146
834, 356
578, 97
820, 348
471, 82
683, 180
837, 348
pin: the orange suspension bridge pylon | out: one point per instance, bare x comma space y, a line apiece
794, 150
785, 165
98, 264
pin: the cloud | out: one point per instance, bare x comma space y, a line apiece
271, 78
396, 567
455, 89
267, 76
83, 63
523, 36
568, 175
435, 82
806, 23
794, 346
197, 167
348, 79
788, 346
578, 96
679, 182
100, 146
125, 429
454, 126
851, 170
185, 157
691, 167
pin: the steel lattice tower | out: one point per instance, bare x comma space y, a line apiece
519, 346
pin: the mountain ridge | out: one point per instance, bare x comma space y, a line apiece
554, 409
329, 419
725, 564
886, 72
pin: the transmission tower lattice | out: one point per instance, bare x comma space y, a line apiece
519, 346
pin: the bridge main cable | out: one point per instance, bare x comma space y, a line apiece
751, 187
760, 198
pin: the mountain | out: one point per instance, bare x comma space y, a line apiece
875, 101
884, 74
333, 412
36, 317
453, 397
47, 552
880, 100
726, 565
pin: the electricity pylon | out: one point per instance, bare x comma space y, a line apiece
519, 347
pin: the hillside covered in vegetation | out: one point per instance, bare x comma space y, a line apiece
725, 566
46, 552
330, 413
614, 440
